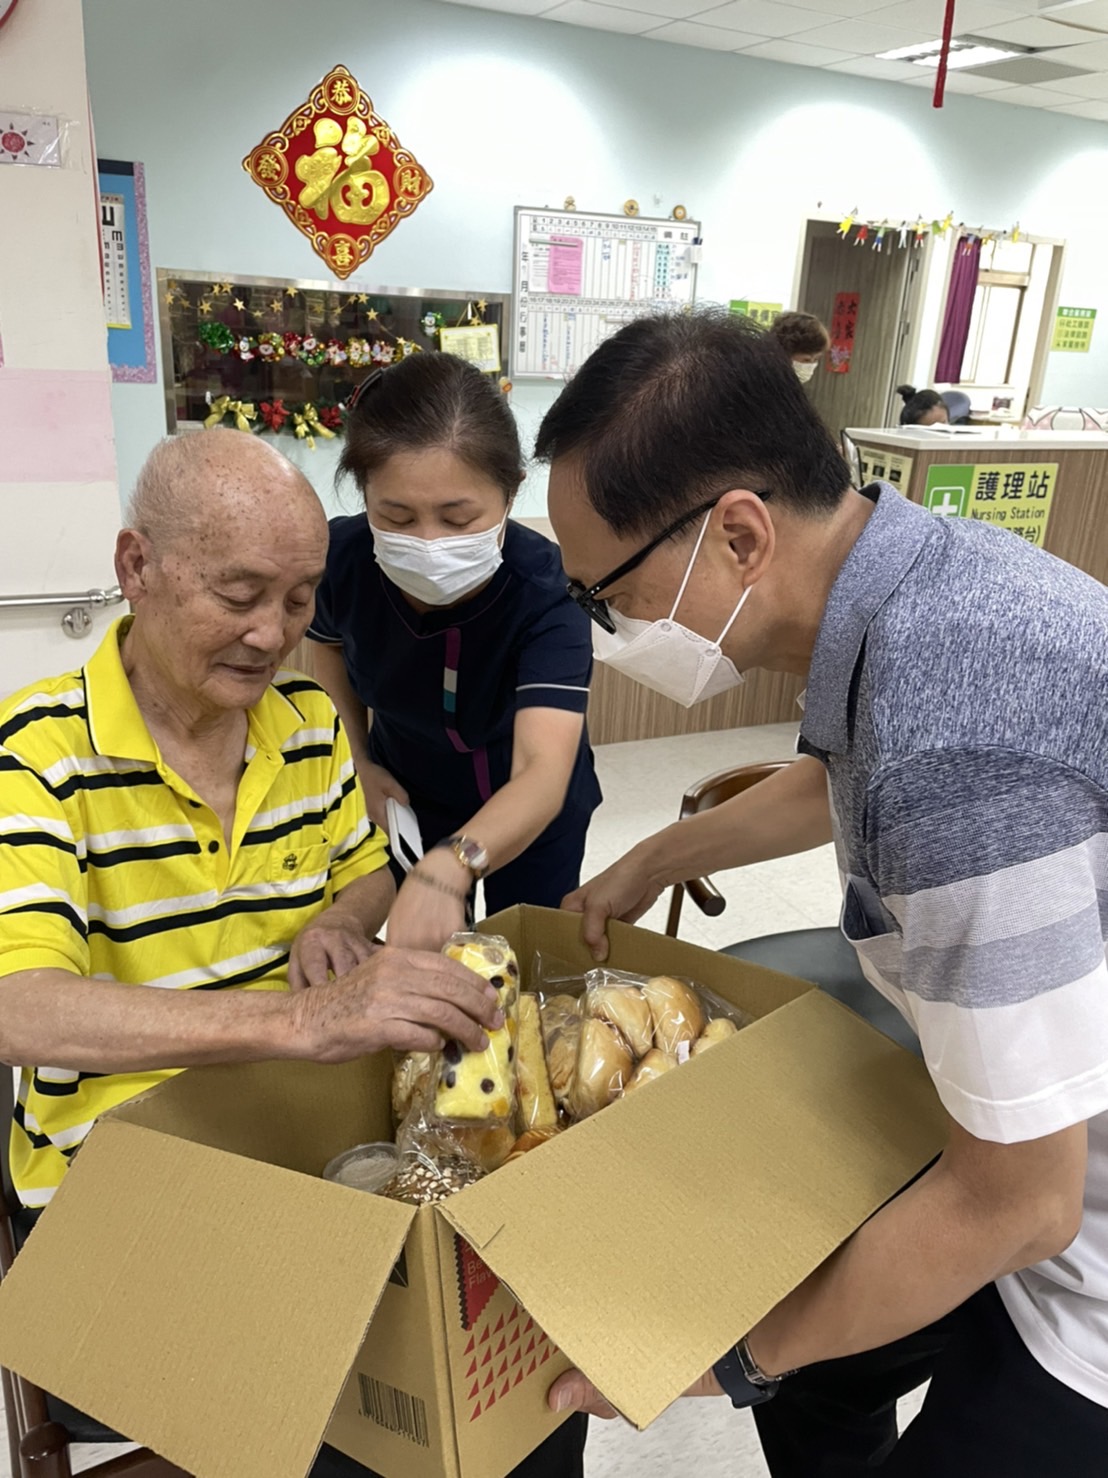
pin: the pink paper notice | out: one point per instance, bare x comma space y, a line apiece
566, 258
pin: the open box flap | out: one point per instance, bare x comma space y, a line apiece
648, 1239
215, 1317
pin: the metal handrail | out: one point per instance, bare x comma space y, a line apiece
109, 597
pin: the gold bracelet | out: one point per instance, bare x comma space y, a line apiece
438, 887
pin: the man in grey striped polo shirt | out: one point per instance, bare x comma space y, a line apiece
956, 704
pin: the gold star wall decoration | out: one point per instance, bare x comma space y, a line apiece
205, 306
240, 305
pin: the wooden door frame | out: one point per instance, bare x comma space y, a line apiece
907, 351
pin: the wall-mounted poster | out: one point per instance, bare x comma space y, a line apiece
125, 264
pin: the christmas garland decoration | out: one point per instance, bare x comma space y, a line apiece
305, 420
306, 348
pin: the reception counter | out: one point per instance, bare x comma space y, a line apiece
1049, 487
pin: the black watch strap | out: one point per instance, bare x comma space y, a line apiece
731, 1373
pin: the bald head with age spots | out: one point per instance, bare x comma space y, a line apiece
225, 545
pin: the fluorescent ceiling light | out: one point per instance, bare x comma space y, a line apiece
965, 51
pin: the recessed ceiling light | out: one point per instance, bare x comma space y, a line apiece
965, 51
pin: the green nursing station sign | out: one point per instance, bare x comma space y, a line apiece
1015, 496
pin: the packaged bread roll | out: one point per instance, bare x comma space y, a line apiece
716, 1031
536, 1096
654, 1065
678, 1015
530, 1141
604, 1065
626, 1008
476, 1086
410, 1076
561, 1034
488, 1146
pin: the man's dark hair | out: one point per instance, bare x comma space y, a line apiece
427, 402
917, 403
800, 333
674, 409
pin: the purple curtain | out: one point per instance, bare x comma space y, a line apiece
959, 311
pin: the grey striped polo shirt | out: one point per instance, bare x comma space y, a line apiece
958, 695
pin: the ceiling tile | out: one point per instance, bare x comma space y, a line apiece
1040, 30
969, 15
1093, 13
865, 36
1093, 86
515, 7
761, 17
1030, 97
1086, 110
715, 38
841, 7
1090, 54
670, 10
965, 82
601, 17
785, 50
868, 66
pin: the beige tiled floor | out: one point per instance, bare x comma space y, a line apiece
643, 784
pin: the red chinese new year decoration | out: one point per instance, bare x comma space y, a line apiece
338, 172
844, 322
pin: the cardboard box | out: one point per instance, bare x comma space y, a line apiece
196, 1285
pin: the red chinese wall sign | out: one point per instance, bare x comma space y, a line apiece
844, 323
339, 173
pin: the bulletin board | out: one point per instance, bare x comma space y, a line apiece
579, 277
125, 261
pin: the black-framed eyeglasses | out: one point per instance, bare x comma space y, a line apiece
586, 597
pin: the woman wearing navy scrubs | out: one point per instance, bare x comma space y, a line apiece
451, 626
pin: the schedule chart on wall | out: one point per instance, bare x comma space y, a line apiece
580, 277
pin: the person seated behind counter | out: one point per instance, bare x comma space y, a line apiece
179, 813
804, 339
933, 408
451, 625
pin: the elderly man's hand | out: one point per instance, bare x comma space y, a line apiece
334, 943
573, 1392
408, 1000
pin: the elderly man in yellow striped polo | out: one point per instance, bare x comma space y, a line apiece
188, 873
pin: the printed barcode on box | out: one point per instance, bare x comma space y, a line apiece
394, 1410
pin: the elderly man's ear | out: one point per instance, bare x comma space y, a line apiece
132, 563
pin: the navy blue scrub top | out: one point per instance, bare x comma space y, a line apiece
444, 686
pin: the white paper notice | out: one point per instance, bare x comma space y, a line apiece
30, 138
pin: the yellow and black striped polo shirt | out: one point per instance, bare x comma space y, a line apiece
113, 867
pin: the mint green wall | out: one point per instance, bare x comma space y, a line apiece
506, 110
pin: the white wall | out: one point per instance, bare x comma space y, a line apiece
58, 501
506, 110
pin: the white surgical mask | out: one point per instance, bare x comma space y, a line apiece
805, 369
439, 571
668, 657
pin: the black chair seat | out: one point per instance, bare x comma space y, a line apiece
80, 1426
828, 960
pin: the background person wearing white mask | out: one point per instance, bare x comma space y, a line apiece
451, 625
804, 339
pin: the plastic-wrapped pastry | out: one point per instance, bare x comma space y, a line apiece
561, 1033
475, 1086
654, 1065
604, 1066
420, 1181
716, 1031
627, 1009
536, 1096
677, 1012
410, 1078
530, 1141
